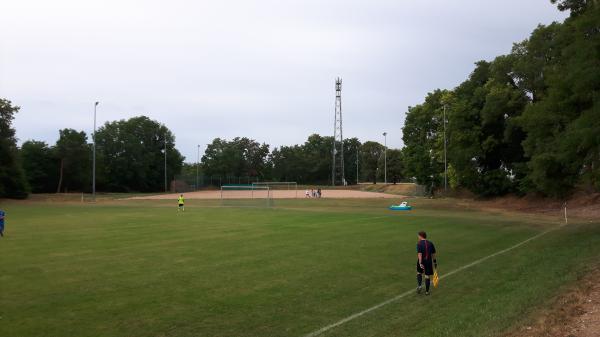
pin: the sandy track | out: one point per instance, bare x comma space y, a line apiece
276, 194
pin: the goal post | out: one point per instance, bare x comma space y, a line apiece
280, 186
246, 195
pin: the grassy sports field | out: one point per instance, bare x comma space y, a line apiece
139, 268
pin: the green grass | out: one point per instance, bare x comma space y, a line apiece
138, 268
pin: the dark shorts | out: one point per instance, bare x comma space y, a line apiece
180, 205
428, 264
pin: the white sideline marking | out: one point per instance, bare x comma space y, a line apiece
404, 294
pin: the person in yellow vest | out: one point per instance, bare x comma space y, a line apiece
181, 203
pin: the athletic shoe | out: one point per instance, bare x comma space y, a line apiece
419, 289
427, 293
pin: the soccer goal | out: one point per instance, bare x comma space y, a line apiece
246, 196
280, 186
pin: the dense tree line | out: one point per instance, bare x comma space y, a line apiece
130, 157
13, 183
63, 167
307, 163
527, 122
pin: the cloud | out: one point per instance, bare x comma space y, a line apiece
263, 69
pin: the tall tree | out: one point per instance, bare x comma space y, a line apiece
236, 158
371, 154
562, 129
309, 163
423, 140
395, 166
13, 183
40, 165
73, 153
484, 147
318, 152
289, 164
351, 151
575, 6
131, 155
532, 57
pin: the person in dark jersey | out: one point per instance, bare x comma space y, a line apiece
2, 214
425, 262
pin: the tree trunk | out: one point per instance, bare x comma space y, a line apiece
60, 177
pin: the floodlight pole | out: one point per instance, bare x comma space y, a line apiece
445, 155
94, 156
357, 165
385, 158
197, 167
165, 162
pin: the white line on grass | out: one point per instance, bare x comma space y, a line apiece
408, 292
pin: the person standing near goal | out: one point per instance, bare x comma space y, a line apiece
425, 262
181, 203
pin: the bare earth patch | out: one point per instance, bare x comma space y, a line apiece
575, 313
276, 194
584, 206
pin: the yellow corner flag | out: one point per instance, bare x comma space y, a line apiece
436, 279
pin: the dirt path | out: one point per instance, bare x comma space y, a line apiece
275, 194
575, 313
582, 205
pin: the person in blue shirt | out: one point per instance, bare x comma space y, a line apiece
425, 261
2, 222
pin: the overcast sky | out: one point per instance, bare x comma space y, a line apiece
261, 69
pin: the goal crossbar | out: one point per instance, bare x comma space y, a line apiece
246, 195
277, 185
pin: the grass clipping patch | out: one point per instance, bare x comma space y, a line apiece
574, 313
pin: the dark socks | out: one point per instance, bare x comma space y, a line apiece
419, 279
427, 282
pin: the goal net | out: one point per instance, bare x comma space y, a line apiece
280, 189
246, 196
